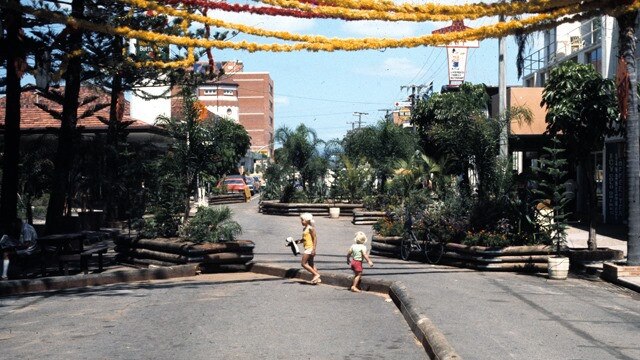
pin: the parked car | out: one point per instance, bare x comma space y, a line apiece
235, 183
232, 183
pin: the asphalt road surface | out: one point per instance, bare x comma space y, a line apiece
484, 315
218, 316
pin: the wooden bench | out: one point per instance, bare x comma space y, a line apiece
84, 257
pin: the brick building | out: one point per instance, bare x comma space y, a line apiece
244, 97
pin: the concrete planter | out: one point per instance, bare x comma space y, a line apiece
334, 212
558, 267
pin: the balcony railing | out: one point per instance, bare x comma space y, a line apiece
586, 35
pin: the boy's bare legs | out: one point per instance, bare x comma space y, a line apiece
356, 281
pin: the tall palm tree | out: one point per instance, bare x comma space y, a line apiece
627, 24
299, 149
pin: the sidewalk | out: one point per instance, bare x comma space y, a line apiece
611, 236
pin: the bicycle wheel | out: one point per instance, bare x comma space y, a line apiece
433, 251
405, 247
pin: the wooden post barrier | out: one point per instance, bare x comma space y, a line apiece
176, 251
294, 209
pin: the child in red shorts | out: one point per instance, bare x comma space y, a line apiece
358, 252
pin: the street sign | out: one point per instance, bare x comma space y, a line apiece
457, 52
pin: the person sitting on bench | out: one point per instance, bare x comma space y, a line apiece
20, 239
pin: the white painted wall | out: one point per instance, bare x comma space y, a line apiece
149, 110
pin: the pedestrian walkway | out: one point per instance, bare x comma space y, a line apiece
484, 315
610, 236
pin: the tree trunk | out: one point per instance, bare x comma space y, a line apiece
66, 136
627, 24
592, 202
15, 61
112, 155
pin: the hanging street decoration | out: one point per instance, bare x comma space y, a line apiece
541, 15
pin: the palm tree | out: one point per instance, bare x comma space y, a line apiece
627, 43
300, 150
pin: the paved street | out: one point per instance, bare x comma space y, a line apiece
220, 316
244, 315
483, 315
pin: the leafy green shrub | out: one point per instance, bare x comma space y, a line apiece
211, 225
162, 224
388, 227
486, 238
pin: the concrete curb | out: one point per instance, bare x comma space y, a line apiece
627, 284
431, 338
14, 287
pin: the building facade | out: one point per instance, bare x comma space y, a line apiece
243, 97
595, 42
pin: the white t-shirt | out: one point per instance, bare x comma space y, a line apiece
357, 250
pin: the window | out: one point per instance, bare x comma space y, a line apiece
270, 89
595, 59
271, 105
529, 82
209, 91
228, 92
271, 121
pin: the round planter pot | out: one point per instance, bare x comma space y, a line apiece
334, 212
558, 267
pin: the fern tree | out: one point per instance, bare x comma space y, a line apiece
552, 195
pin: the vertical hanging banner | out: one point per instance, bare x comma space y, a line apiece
457, 52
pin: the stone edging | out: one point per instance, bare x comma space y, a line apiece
431, 338
13, 287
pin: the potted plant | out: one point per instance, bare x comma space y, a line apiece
550, 210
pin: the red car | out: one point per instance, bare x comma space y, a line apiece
235, 183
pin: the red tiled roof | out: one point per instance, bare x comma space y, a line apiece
34, 119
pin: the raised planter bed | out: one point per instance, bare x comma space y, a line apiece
226, 199
367, 217
292, 209
512, 258
173, 251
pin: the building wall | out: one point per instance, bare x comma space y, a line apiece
248, 96
592, 42
529, 98
149, 110
255, 96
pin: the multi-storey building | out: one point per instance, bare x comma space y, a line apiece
244, 97
594, 42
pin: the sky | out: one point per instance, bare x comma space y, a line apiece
323, 90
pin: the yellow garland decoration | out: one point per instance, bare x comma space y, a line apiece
498, 30
283, 35
406, 12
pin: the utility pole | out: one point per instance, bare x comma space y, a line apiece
386, 114
416, 90
353, 124
359, 115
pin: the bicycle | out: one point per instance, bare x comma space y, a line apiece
432, 249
